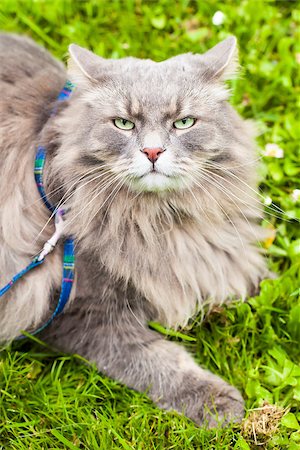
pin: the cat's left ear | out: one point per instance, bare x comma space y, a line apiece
84, 66
222, 60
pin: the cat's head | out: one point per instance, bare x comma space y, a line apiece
155, 125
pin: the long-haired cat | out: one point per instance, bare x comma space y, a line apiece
156, 171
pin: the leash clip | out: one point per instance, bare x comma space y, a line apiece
59, 232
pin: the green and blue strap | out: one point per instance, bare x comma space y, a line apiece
68, 248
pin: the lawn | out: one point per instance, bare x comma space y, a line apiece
55, 401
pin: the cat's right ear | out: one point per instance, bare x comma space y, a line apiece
222, 60
84, 66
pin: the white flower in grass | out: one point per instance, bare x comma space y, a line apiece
296, 195
218, 18
274, 151
268, 201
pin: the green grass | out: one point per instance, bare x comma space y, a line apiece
51, 401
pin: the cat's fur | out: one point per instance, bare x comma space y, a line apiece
148, 246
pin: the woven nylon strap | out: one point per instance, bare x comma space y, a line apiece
68, 250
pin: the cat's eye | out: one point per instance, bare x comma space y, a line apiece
186, 122
124, 124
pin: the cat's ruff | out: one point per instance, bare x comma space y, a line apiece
68, 253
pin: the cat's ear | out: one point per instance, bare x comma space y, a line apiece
222, 59
83, 65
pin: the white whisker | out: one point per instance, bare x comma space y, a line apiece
117, 177
222, 209
115, 190
260, 210
75, 179
227, 171
222, 189
66, 198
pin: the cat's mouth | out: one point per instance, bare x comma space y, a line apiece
156, 176
154, 171
155, 180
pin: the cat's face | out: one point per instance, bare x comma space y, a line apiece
154, 125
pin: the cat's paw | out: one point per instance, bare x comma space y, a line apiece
226, 406
209, 401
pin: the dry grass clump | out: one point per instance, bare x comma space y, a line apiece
262, 423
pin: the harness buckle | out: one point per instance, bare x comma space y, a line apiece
59, 232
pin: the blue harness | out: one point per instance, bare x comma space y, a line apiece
68, 253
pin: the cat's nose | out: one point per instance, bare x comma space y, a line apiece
153, 153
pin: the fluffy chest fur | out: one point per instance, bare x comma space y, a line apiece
179, 258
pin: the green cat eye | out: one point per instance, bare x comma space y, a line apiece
124, 124
186, 122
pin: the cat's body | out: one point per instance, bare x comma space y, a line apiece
152, 251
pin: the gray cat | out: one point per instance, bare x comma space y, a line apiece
156, 170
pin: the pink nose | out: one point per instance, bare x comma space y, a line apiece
152, 153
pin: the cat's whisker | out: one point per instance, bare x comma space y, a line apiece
138, 193
96, 189
221, 187
215, 168
113, 180
213, 182
262, 212
115, 190
103, 172
66, 199
88, 194
228, 172
75, 179
213, 227
222, 209
201, 208
236, 166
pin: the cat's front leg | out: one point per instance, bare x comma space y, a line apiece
128, 351
175, 382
